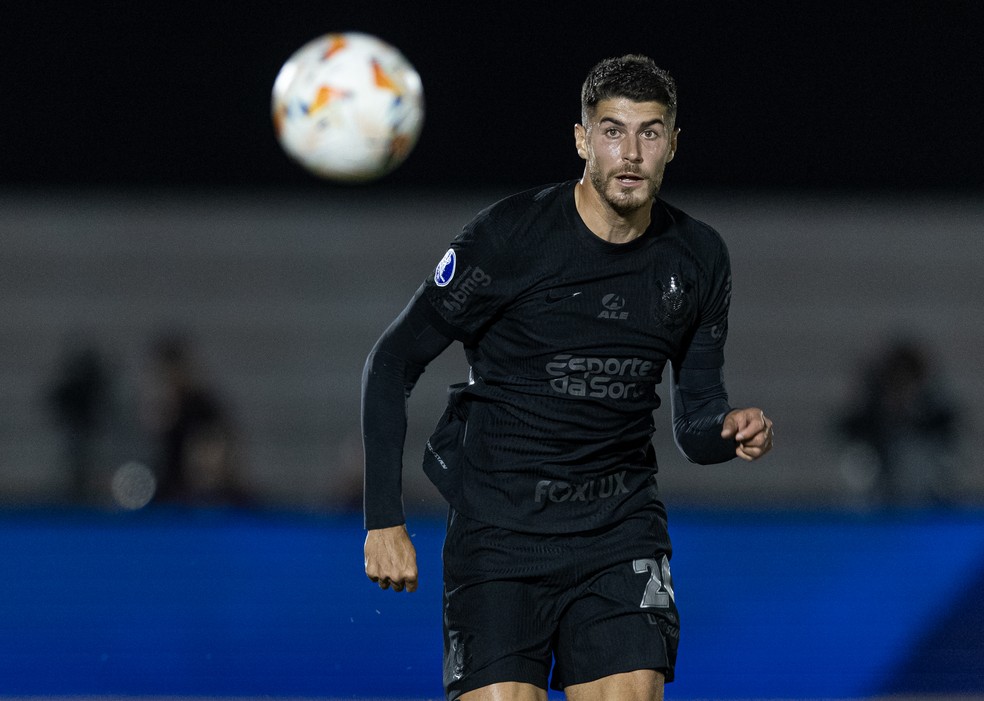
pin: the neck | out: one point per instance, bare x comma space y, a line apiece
603, 221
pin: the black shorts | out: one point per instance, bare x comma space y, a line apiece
587, 604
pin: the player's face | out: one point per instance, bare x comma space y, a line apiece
626, 146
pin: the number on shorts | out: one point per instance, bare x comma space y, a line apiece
659, 588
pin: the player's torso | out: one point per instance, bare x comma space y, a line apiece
596, 322
569, 339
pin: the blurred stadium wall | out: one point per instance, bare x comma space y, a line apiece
283, 296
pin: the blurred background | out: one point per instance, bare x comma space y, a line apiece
184, 315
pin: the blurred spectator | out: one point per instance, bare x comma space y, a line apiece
901, 430
78, 398
196, 454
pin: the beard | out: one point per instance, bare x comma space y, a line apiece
624, 202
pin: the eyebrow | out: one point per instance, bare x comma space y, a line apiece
619, 123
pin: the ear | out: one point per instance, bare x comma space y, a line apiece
673, 144
580, 134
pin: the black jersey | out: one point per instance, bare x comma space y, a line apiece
567, 337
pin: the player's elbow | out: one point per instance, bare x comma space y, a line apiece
699, 455
702, 445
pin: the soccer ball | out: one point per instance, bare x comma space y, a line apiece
348, 107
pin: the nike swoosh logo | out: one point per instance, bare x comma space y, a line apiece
553, 297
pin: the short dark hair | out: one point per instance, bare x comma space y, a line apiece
632, 76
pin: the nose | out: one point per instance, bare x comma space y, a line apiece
631, 150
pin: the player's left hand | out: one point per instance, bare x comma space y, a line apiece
752, 431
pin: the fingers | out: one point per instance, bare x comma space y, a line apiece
730, 427
752, 430
390, 559
749, 453
397, 579
742, 423
409, 584
397, 585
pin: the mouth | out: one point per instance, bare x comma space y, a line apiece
628, 179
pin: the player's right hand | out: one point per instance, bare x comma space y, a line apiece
391, 560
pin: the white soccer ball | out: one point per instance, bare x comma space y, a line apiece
348, 107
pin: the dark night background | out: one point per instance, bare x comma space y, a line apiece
842, 95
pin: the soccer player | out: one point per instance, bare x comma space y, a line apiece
571, 300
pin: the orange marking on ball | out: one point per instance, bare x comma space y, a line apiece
325, 95
382, 79
336, 44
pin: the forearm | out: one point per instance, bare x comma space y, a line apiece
384, 428
700, 403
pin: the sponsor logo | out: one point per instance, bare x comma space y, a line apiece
553, 296
613, 304
444, 272
471, 279
612, 378
558, 491
437, 456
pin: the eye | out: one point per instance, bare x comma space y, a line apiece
650, 134
611, 132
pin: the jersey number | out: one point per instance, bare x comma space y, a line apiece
659, 588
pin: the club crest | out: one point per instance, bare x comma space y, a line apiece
675, 305
444, 272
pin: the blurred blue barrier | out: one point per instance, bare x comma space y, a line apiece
234, 603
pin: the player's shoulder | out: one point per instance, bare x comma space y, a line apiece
698, 235
535, 198
522, 209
